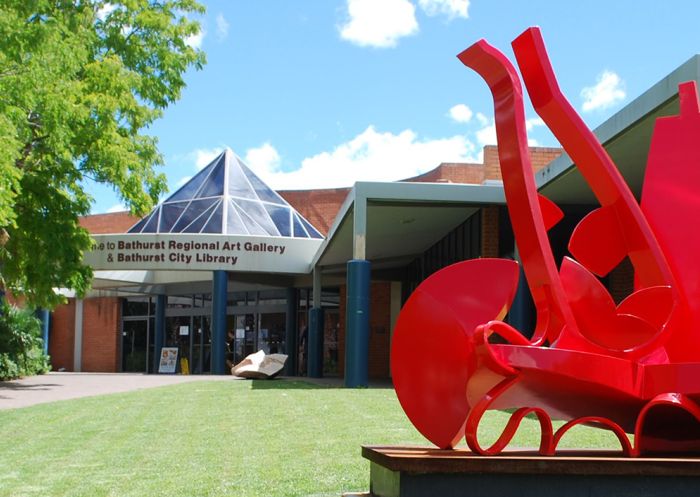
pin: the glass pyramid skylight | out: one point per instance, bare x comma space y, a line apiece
227, 198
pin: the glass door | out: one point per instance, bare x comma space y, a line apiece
201, 345
178, 333
244, 334
135, 346
272, 335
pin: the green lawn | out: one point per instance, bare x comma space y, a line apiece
238, 438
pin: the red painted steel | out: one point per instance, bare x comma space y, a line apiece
628, 368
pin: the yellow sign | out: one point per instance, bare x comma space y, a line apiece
184, 366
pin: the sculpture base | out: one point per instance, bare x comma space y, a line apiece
428, 472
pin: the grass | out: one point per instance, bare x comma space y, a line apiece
238, 438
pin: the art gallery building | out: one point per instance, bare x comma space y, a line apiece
227, 266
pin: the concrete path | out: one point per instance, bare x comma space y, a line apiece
61, 386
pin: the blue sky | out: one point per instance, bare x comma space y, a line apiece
321, 93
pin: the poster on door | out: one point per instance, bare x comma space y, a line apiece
168, 360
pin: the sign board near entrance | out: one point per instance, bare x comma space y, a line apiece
202, 252
168, 360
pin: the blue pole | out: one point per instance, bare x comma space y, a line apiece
315, 340
159, 332
44, 316
522, 314
218, 322
357, 324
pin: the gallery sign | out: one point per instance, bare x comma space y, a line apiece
199, 252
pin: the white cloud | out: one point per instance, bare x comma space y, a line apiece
461, 113
533, 122
483, 120
196, 40
117, 208
370, 156
608, 90
203, 156
221, 27
487, 135
379, 23
264, 160
450, 8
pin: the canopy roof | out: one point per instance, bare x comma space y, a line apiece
227, 198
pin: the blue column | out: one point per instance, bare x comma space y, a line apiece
218, 322
291, 343
315, 338
357, 324
43, 315
159, 332
522, 315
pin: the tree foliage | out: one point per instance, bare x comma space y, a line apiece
21, 344
80, 81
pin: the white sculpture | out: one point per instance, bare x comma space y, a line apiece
259, 365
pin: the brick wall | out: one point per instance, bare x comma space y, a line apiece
379, 330
452, 172
115, 222
489, 231
492, 169
539, 156
319, 207
101, 334
61, 330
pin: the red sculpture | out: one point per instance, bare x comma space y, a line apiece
629, 368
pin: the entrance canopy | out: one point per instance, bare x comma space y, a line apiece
224, 218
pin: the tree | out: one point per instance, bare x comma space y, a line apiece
80, 80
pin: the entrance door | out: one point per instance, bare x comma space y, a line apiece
135, 346
253, 332
178, 333
271, 336
201, 345
244, 337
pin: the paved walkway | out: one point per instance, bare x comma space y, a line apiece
61, 386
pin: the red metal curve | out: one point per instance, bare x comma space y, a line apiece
672, 432
592, 160
477, 412
625, 443
553, 311
669, 200
631, 367
619, 222
432, 350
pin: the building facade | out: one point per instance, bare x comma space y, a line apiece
375, 243
112, 329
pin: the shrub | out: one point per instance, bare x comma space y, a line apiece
21, 344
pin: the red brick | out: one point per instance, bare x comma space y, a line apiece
115, 222
319, 207
61, 335
101, 317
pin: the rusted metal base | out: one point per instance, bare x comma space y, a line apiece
428, 472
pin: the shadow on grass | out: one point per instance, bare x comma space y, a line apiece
285, 384
310, 384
